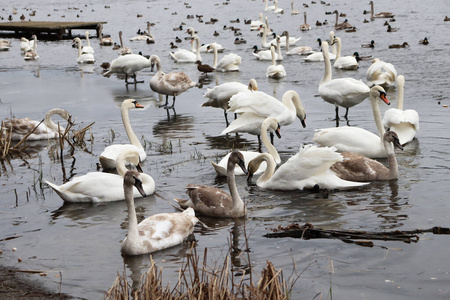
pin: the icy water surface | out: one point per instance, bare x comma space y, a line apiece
82, 241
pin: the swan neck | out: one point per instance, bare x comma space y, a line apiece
393, 165
266, 142
87, 39
279, 49
337, 19
272, 52
79, 47
304, 15
215, 57
121, 41
377, 116
287, 41
268, 172
133, 232
49, 122
231, 180
197, 43
129, 130
338, 53
371, 9
400, 96
326, 60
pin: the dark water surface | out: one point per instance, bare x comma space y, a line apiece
83, 240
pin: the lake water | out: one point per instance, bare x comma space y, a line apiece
82, 241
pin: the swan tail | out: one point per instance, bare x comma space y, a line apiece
184, 204
221, 171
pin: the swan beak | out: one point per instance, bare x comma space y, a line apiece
303, 122
277, 132
139, 168
242, 165
249, 178
138, 185
384, 98
137, 105
397, 144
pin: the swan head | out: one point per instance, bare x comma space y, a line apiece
236, 158
378, 92
133, 178
392, 137
154, 60
252, 85
131, 103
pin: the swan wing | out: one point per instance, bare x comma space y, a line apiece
221, 94
183, 55
346, 63
229, 62
221, 167
246, 122
277, 71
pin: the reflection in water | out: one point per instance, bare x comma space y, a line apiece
227, 142
175, 127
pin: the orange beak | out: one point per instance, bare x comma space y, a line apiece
383, 97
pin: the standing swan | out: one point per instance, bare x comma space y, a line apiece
128, 64
157, 232
357, 167
272, 123
403, 122
228, 63
19, 128
109, 156
305, 170
275, 71
214, 202
83, 58
345, 92
355, 139
171, 84
101, 186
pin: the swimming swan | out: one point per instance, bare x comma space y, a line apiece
228, 63
83, 58
381, 73
344, 62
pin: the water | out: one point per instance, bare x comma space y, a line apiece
82, 241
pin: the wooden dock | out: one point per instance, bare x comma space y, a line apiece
46, 30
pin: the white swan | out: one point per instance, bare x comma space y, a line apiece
103, 41
265, 44
214, 202
307, 169
5, 45
300, 50
272, 123
109, 156
275, 71
305, 26
267, 7
156, 232
344, 62
221, 94
277, 9
123, 50
171, 84
186, 56
355, 139
88, 48
208, 48
255, 25
32, 54
293, 11
345, 92
381, 73
129, 65
255, 107
101, 186
25, 45
228, 63
384, 14
318, 56
145, 36
19, 128
267, 54
83, 58
357, 167
403, 122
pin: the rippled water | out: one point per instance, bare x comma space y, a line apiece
83, 240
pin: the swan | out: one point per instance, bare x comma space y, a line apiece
254, 25
267, 7
156, 232
275, 71
228, 63
221, 94
214, 202
265, 44
345, 92
32, 54
88, 48
403, 122
344, 62
267, 54
293, 11
25, 45
318, 56
305, 26
145, 36
307, 169
208, 48
277, 10
123, 50
357, 167
272, 123
83, 58
343, 25
109, 155
5, 45
103, 187
186, 56
300, 50
355, 139
171, 84
19, 128
384, 14
128, 65
103, 41
381, 73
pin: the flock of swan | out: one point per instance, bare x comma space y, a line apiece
340, 158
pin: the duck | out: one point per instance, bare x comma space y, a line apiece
368, 45
216, 33
32, 54
238, 41
384, 14
83, 58
220, 95
170, 84
360, 168
228, 63
103, 41
187, 56
275, 71
123, 50
343, 25
214, 202
173, 46
404, 45
446, 19
345, 92
98, 187
381, 73
305, 26
109, 155
157, 232
269, 123
391, 29
344, 62
356, 139
204, 68
43, 130
179, 28
405, 123
424, 41
308, 169
359, 57
88, 48
129, 65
